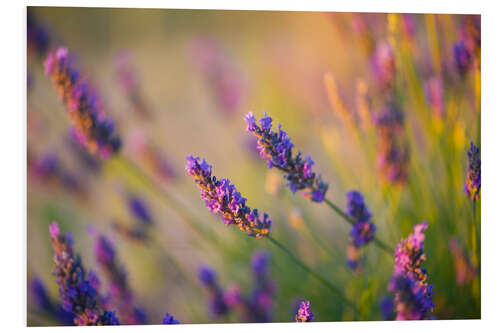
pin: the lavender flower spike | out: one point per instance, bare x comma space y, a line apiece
276, 148
169, 319
222, 198
217, 304
120, 293
413, 293
362, 232
473, 182
76, 287
304, 313
90, 126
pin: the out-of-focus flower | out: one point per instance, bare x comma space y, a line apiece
387, 308
463, 58
383, 65
304, 313
49, 169
363, 230
90, 125
413, 293
129, 82
120, 295
169, 319
276, 149
46, 304
434, 94
261, 298
77, 288
473, 181
223, 78
38, 36
154, 158
222, 198
217, 304
465, 270
139, 209
393, 150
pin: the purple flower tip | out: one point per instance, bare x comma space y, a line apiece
169, 319
304, 313
54, 229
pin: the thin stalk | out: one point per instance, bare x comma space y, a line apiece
318, 277
477, 232
377, 241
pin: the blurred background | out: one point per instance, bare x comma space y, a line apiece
178, 82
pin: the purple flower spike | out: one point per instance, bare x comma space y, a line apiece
304, 313
90, 126
222, 198
276, 149
473, 182
463, 58
363, 230
413, 293
139, 209
120, 295
76, 289
169, 319
217, 304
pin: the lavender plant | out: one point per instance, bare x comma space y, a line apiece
276, 149
222, 198
77, 288
304, 313
90, 125
473, 181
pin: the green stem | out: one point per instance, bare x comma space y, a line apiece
318, 277
477, 234
377, 241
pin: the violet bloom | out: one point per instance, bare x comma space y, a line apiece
304, 313
120, 295
261, 298
463, 58
169, 319
76, 288
139, 209
393, 149
383, 65
473, 181
217, 304
363, 230
413, 293
222, 77
222, 198
276, 149
387, 308
38, 36
90, 125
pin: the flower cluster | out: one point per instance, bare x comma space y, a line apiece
413, 294
257, 306
393, 150
467, 50
90, 126
129, 83
77, 289
38, 36
220, 74
276, 148
222, 198
363, 230
465, 270
120, 295
304, 313
208, 279
169, 319
473, 181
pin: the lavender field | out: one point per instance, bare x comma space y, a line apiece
208, 166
